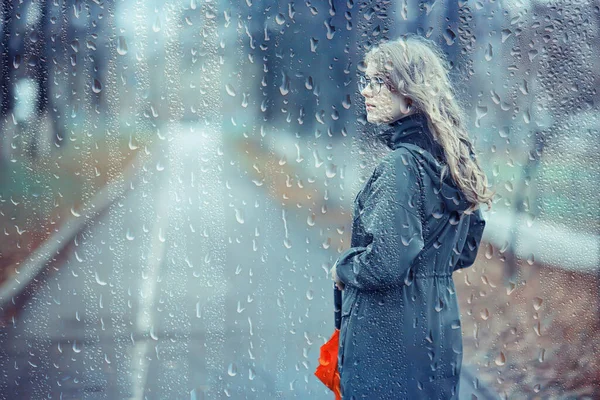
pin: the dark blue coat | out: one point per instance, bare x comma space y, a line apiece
400, 336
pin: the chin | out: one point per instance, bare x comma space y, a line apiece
373, 119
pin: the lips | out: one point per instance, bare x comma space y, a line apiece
369, 106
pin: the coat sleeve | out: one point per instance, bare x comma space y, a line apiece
471, 246
392, 226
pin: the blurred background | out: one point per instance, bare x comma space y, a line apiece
176, 181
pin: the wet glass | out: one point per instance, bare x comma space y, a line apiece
177, 179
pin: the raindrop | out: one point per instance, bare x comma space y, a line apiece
347, 103
450, 37
284, 88
511, 288
75, 348
129, 235
538, 329
542, 355
232, 370
313, 46
500, 359
537, 303
240, 309
153, 334
331, 170
330, 28
439, 305
480, 111
309, 294
156, 26
251, 374
98, 280
524, 87
485, 314
239, 216
97, 86
131, 145
230, 90
532, 54
318, 160
280, 19
531, 259
527, 117
489, 53
122, 46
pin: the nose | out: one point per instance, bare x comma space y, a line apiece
364, 91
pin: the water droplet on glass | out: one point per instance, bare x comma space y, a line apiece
500, 359
280, 19
232, 370
537, 328
96, 86
480, 112
230, 90
313, 45
98, 280
284, 88
489, 53
239, 216
156, 26
450, 37
122, 46
76, 349
485, 314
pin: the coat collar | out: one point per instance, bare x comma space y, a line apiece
411, 129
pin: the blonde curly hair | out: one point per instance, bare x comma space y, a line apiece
415, 67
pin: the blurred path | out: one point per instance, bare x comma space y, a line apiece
195, 285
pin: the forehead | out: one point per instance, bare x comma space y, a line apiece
372, 70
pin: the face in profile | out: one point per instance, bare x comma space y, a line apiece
383, 105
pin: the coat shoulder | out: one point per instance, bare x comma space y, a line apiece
400, 160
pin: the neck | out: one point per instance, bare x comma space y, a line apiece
411, 129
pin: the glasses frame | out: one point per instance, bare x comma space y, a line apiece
375, 83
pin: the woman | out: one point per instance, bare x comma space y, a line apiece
416, 220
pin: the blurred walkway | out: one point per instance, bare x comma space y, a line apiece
194, 285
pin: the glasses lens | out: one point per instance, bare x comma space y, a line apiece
362, 83
377, 85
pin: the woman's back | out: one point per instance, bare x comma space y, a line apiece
401, 331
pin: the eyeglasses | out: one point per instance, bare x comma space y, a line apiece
375, 83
